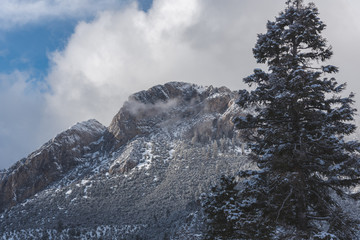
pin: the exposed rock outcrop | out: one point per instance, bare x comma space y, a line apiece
172, 101
48, 164
164, 105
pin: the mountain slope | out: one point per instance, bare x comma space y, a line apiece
139, 178
48, 164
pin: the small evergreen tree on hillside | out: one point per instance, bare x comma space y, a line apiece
217, 202
300, 121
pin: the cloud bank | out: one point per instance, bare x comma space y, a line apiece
208, 42
21, 107
120, 52
20, 12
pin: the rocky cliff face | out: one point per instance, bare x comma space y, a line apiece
147, 110
140, 177
161, 107
48, 164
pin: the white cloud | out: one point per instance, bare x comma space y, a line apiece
121, 52
201, 41
20, 12
117, 54
21, 106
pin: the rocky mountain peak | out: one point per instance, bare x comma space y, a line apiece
175, 109
91, 126
80, 134
171, 101
145, 171
168, 91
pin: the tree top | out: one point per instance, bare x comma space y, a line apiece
295, 3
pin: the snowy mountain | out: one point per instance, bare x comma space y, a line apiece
139, 178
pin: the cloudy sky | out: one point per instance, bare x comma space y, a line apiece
65, 61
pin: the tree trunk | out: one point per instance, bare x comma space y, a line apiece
301, 206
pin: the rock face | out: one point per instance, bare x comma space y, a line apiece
162, 106
48, 164
147, 110
140, 178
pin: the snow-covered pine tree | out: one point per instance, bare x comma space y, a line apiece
300, 120
216, 203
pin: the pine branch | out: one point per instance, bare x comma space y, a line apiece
283, 204
318, 218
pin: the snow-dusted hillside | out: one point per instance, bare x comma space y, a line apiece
140, 178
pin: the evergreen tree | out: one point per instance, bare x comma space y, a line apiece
216, 205
300, 121
298, 125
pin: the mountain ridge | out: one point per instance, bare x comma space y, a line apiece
163, 148
30, 172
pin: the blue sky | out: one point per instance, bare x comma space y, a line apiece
26, 47
67, 61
